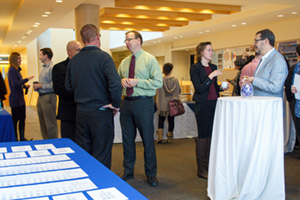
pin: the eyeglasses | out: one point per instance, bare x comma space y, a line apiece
257, 40
129, 39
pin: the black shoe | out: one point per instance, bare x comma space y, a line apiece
153, 182
127, 177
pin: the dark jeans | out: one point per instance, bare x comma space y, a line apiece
68, 129
161, 121
205, 113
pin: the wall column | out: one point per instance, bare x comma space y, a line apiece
86, 14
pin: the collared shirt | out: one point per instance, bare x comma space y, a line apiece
147, 71
263, 59
45, 79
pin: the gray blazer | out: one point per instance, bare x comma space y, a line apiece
269, 79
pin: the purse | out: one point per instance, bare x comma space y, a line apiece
176, 108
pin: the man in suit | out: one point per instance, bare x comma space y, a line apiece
141, 76
271, 72
94, 80
66, 106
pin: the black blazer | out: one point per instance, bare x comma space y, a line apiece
3, 90
202, 82
66, 105
288, 83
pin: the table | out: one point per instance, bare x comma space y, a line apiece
7, 133
185, 125
52, 168
247, 159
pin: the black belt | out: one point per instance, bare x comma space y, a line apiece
42, 94
136, 97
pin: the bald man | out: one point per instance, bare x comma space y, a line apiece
66, 107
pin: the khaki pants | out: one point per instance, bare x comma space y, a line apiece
46, 108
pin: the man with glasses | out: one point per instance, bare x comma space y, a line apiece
94, 80
141, 76
271, 72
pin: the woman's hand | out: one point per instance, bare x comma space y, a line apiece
214, 74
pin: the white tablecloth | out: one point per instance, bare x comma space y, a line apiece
185, 126
246, 159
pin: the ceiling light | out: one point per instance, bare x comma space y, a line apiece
175, 38
294, 13
154, 42
35, 25
44, 15
181, 36
24, 37
59, 1
47, 12
233, 25
19, 42
207, 31
279, 15
158, 41
201, 32
243, 23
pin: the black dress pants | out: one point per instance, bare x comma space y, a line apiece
18, 114
68, 129
95, 134
138, 114
205, 113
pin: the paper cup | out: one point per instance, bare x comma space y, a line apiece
224, 84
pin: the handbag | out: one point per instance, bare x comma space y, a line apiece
176, 108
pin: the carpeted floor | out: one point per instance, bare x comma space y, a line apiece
176, 168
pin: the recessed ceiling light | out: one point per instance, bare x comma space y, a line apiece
19, 42
158, 41
294, 13
233, 25
48, 13
207, 31
23, 37
243, 23
181, 36
154, 42
35, 25
175, 38
279, 15
44, 15
59, 1
200, 32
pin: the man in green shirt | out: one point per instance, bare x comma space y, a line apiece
141, 76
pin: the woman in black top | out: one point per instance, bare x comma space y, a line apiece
204, 78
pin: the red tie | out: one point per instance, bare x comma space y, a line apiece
129, 91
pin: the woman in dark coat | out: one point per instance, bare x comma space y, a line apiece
3, 90
204, 78
16, 97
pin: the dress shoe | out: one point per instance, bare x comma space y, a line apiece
126, 177
153, 182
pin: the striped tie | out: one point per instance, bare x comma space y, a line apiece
129, 91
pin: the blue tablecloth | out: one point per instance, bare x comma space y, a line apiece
7, 133
37, 171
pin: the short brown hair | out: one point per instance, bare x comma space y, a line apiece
136, 35
88, 33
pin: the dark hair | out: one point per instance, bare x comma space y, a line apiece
298, 49
250, 58
267, 34
200, 48
167, 68
240, 62
13, 59
136, 35
88, 33
48, 52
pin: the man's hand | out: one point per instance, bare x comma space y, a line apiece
129, 82
293, 89
115, 110
37, 86
248, 80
